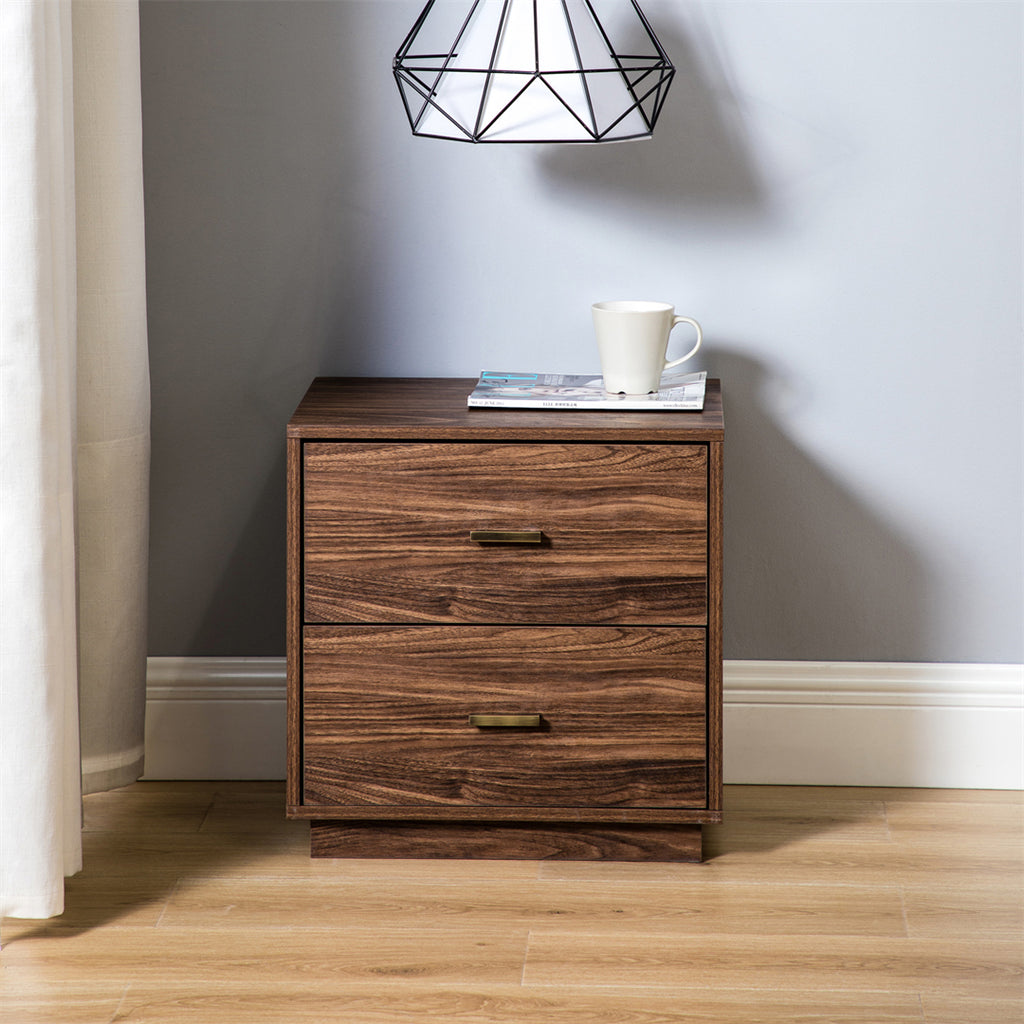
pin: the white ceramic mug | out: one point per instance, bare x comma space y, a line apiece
632, 339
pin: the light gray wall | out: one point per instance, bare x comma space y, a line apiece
834, 191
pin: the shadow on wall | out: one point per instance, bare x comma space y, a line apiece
247, 596
263, 263
811, 573
696, 164
247, 158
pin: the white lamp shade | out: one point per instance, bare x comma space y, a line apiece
531, 71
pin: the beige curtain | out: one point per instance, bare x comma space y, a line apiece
74, 431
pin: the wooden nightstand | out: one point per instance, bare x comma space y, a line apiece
504, 626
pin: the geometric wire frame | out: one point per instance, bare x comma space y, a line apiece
532, 71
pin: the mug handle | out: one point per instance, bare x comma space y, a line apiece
700, 338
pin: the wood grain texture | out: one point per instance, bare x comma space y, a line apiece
631, 537
387, 533
947, 967
391, 1000
508, 841
199, 903
387, 717
682, 906
369, 813
368, 408
716, 544
182, 957
293, 620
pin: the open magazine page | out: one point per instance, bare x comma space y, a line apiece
680, 392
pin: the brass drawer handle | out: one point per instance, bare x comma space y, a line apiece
505, 721
506, 536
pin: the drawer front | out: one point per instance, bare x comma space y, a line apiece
622, 533
386, 717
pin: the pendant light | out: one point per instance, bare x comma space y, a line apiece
532, 71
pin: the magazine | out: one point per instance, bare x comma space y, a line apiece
680, 392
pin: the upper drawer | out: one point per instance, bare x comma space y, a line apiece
623, 528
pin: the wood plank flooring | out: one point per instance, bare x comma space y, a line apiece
199, 904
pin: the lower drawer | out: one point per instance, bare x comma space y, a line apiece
387, 717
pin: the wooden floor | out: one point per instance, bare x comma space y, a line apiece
199, 904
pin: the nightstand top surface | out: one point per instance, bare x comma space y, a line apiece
397, 408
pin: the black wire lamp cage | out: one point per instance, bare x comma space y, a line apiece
533, 71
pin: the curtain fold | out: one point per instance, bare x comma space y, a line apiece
113, 391
39, 747
74, 431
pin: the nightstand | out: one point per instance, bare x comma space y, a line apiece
504, 626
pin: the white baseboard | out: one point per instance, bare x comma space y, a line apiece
215, 718
874, 724
786, 723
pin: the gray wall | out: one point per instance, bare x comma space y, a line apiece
834, 191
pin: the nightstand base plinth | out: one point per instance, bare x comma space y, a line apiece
504, 841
